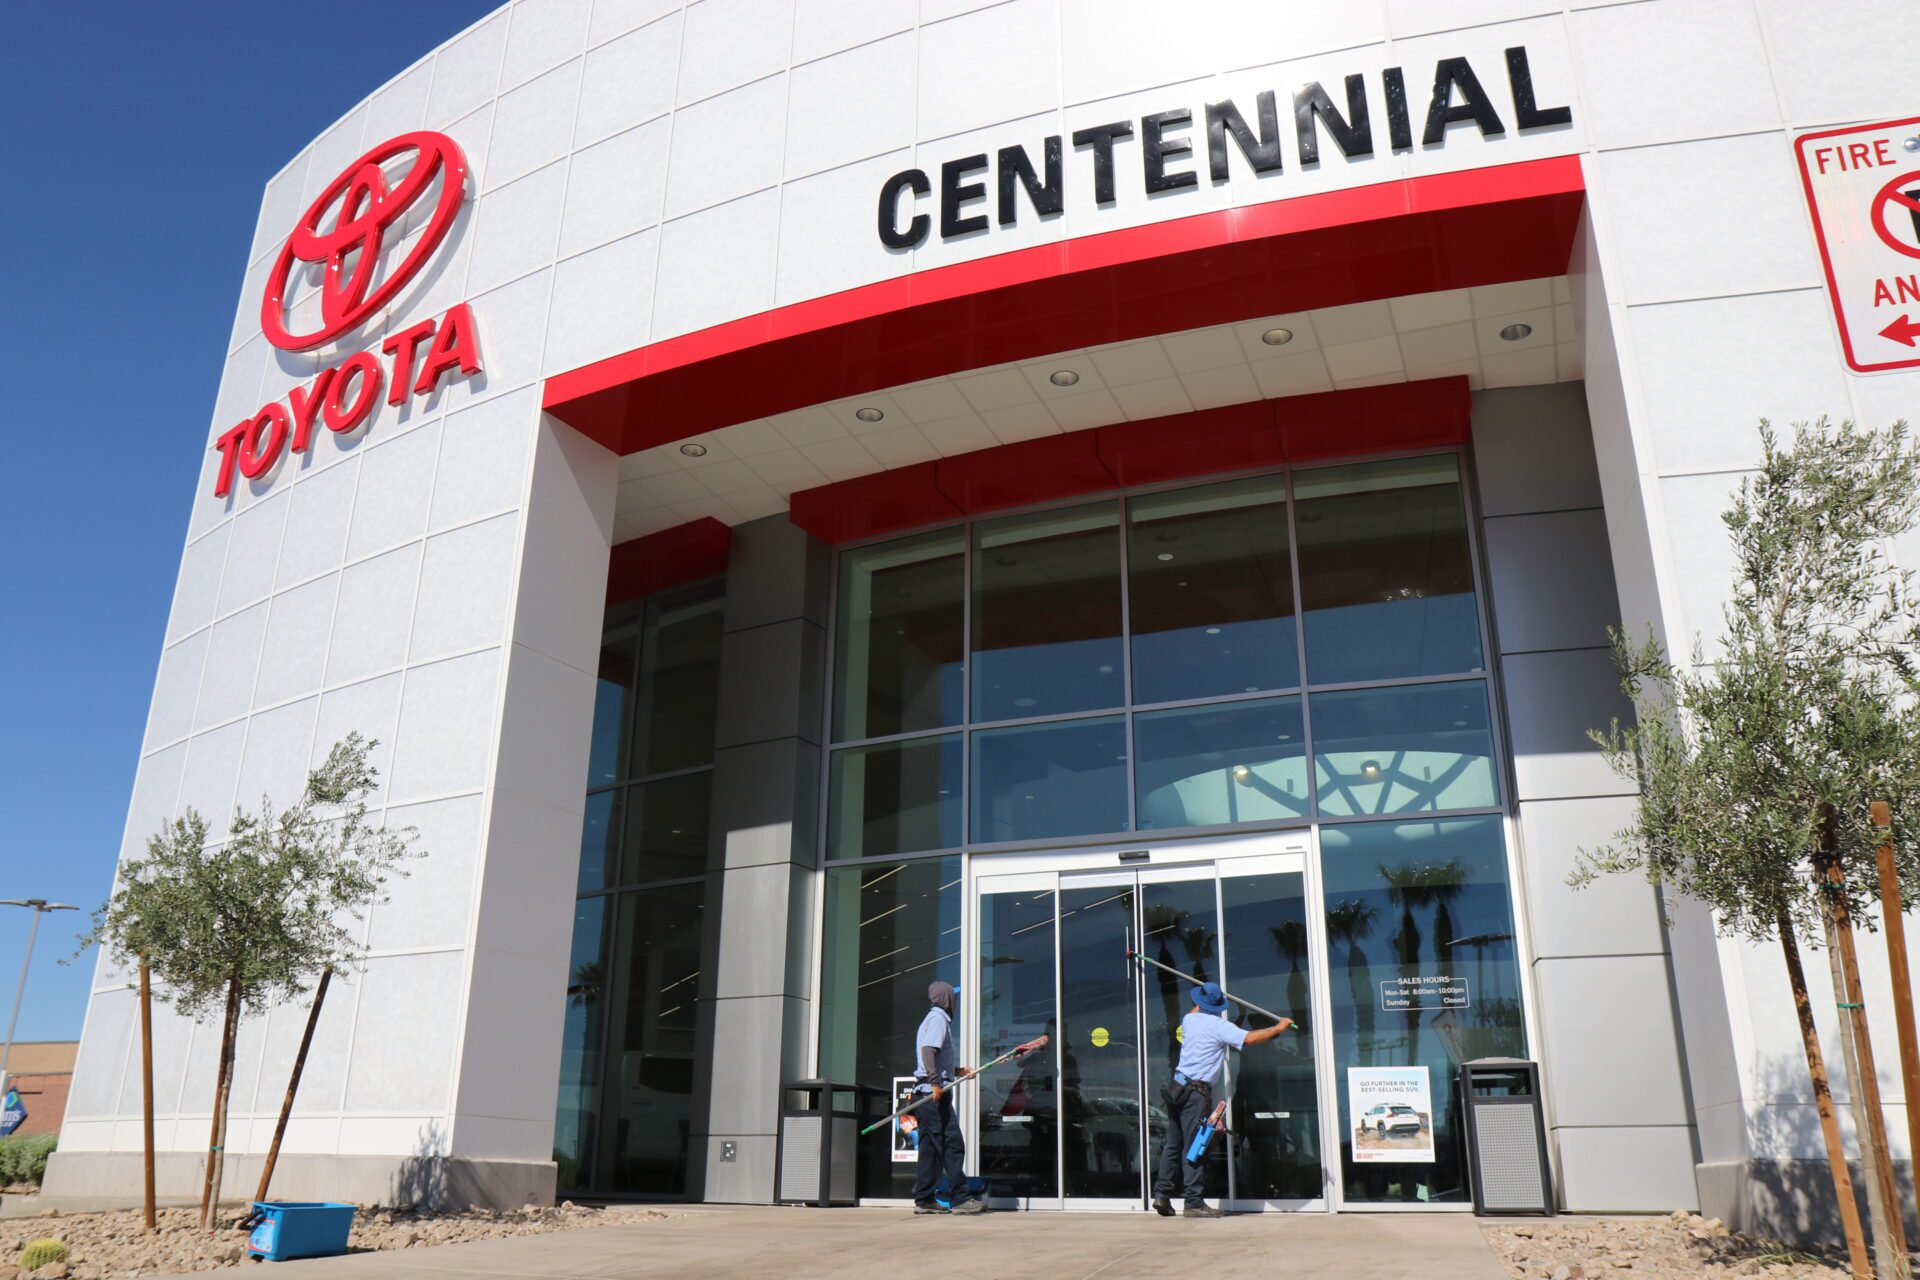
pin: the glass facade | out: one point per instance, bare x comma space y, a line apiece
1303, 649
1273, 650
627, 1064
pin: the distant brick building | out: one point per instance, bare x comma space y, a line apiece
43, 1071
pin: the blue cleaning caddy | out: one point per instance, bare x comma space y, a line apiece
287, 1229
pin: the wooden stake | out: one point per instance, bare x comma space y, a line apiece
1889, 1228
293, 1084
217, 1135
1893, 918
1823, 1103
146, 1085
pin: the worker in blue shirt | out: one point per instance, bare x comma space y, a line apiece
942, 1149
1205, 1037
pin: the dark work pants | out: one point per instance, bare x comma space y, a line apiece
1182, 1124
941, 1149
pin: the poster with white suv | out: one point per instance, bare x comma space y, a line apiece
1392, 1114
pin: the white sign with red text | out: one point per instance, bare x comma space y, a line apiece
1863, 190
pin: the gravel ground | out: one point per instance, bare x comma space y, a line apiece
116, 1244
1680, 1244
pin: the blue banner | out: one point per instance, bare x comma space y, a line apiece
14, 1115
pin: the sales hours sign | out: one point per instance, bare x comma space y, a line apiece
1863, 190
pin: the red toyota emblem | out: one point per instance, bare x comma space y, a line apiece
367, 208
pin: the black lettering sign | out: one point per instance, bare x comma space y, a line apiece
892, 234
1224, 120
1352, 133
1101, 138
1016, 173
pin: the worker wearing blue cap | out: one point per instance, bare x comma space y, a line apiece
942, 1149
1205, 1037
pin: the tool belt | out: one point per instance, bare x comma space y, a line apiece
1176, 1090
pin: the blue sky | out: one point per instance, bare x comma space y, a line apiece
138, 138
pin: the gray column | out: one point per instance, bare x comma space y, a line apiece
760, 891
1621, 1119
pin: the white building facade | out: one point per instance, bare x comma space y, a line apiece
742, 463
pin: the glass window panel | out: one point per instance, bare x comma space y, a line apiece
1226, 762
1180, 928
1405, 750
888, 931
1099, 1047
1210, 590
666, 835
576, 1115
600, 841
1046, 614
898, 642
898, 797
649, 1106
1386, 577
678, 688
1276, 1108
1410, 901
610, 695
1019, 1106
1034, 782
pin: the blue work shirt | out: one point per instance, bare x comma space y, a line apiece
1204, 1041
936, 1032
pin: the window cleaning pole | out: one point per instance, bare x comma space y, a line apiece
1244, 1004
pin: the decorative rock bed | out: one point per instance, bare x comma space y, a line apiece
1679, 1244
101, 1245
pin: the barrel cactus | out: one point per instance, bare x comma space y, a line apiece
39, 1253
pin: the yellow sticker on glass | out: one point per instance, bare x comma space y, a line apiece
1099, 1037
1180, 1034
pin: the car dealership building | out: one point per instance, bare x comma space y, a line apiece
813, 497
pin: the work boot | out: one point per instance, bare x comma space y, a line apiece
1203, 1211
971, 1206
928, 1208
1163, 1206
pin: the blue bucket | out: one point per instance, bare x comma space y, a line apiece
286, 1229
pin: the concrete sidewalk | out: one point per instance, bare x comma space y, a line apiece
799, 1244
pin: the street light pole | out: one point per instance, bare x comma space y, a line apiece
40, 907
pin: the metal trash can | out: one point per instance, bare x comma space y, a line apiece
1506, 1136
817, 1152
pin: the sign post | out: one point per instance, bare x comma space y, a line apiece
1863, 192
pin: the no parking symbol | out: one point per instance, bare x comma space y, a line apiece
1863, 191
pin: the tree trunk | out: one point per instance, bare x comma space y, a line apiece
1823, 1103
293, 1083
1893, 919
217, 1133
146, 1088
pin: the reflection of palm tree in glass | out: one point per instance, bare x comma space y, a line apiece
588, 979
1415, 886
1347, 923
1290, 940
1166, 924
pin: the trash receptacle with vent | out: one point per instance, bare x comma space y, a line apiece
817, 1154
1506, 1136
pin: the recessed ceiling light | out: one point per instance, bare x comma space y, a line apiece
1063, 377
694, 450
868, 414
1164, 555
1515, 332
1277, 337
1370, 770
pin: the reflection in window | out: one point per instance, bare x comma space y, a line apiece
1181, 922
678, 687
1404, 902
1046, 614
600, 841
1276, 1117
1386, 578
666, 835
651, 1006
1421, 747
889, 930
891, 798
1019, 1107
1038, 781
610, 694
1210, 590
1225, 762
898, 647
576, 1118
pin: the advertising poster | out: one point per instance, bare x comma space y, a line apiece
1392, 1111
906, 1129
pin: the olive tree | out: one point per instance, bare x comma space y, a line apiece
1757, 764
257, 916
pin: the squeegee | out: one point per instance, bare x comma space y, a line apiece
1018, 1051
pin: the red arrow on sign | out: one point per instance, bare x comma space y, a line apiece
1902, 330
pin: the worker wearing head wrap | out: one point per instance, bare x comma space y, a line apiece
942, 1150
1205, 1037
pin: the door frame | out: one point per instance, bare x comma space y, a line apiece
1280, 852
